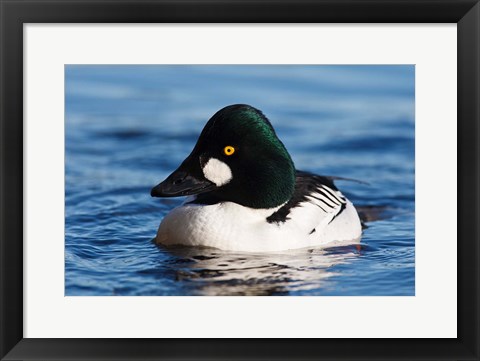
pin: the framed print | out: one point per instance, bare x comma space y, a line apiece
329, 155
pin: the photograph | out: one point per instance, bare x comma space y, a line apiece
239, 180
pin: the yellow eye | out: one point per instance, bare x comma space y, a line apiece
229, 150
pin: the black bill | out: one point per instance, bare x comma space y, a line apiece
180, 183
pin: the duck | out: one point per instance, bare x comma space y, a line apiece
244, 194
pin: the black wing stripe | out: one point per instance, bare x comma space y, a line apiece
324, 199
319, 206
335, 200
341, 199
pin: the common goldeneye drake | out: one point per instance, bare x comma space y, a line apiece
246, 194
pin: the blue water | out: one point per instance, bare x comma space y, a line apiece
128, 127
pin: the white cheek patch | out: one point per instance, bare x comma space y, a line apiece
217, 172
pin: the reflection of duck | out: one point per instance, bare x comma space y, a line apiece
212, 272
248, 195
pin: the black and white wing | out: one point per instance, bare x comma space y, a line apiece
315, 203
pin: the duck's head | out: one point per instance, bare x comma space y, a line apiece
237, 158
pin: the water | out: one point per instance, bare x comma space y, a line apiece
128, 127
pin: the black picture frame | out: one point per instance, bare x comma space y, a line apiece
16, 13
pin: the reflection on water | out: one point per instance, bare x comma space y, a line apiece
215, 273
128, 127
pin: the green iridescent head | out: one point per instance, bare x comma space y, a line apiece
238, 158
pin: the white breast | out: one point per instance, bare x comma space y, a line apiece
232, 227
